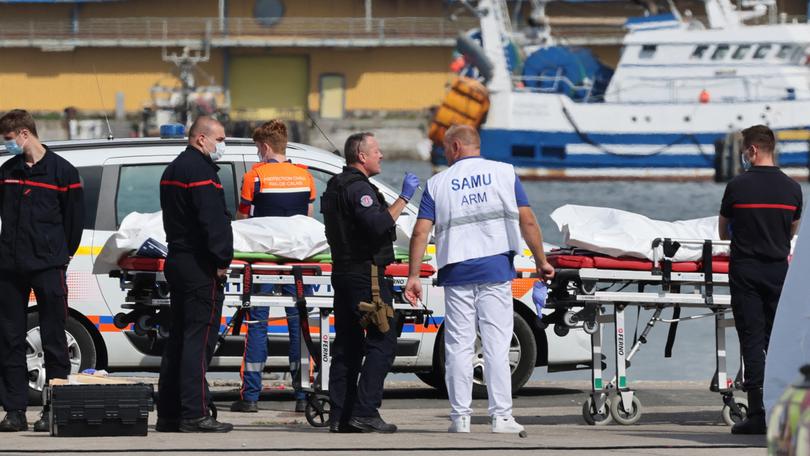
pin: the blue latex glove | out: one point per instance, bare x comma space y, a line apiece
539, 295
409, 185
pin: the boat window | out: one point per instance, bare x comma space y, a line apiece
741, 52
647, 51
784, 51
721, 52
699, 51
797, 54
762, 51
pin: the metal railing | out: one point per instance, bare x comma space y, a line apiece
172, 29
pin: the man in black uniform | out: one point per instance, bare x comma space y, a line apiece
760, 214
42, 215
360, 229
198, 231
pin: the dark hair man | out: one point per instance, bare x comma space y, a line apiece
274, 187
760, 214
42, 210
360, 229
198, 231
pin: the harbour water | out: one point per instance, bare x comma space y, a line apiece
693, 352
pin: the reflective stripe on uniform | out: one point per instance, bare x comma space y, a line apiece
254, 367
477, 218
40, 184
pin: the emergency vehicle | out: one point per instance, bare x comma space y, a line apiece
122, 176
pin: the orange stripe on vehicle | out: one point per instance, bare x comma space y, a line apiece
521, 286
107, 327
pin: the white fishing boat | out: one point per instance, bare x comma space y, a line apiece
680, 86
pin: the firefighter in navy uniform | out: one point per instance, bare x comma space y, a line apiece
760, 214
42, 212
360, 229
198, 231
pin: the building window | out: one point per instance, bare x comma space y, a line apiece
268, 12
762, 51
721, 52
699, 52
647, 51
333, 96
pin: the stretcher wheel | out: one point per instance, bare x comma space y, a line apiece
121, 320
561, 330
587, 287
317, 411
590, 327
570, 318
730, 417
620, 415
594, 418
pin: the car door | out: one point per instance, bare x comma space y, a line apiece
132, 184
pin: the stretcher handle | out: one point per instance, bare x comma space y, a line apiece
658, 241
318, 270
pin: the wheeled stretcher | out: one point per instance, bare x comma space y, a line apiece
593, 291
148, 304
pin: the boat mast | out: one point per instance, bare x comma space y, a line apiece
495, 29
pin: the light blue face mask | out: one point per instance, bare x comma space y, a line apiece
745, 162
13, 148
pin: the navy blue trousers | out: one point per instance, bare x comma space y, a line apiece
755, 290
361, 359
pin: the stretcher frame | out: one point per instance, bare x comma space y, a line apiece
589, 298
148, 294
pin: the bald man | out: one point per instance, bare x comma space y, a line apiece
198, 230
480, 211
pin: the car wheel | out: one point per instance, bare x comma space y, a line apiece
522, 358
81, 350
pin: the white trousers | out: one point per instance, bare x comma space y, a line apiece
489, 307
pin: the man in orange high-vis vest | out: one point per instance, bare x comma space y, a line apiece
274, 187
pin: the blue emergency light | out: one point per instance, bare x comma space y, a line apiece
174, 130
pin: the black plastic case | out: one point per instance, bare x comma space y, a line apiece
100, 410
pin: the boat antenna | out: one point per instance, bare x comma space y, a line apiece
335, 150
110, 136
674, 10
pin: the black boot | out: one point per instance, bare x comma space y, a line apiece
14, 421
204, 424
754, 422
372, 424
43, 424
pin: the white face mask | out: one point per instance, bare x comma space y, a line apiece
219, 150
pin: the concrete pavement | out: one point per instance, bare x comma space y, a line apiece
680, 418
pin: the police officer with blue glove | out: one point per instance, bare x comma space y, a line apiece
360, 229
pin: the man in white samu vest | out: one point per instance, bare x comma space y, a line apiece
480, 212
